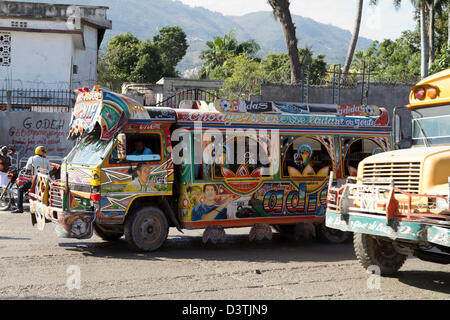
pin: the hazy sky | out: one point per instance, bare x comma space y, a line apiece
378, 22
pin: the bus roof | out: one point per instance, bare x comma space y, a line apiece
111, 111
432, 90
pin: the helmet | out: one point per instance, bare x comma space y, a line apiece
41, 151
4, 149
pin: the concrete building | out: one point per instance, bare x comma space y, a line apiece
50, 46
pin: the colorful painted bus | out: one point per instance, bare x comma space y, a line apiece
137, 171
398, 205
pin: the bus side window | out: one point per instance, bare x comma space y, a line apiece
358, 149
304, 156
141, 148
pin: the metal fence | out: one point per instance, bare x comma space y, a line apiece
189, 94
36, 100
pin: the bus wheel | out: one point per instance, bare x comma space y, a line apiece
107, 235
374, 251
146, 229
329, 235
300, 231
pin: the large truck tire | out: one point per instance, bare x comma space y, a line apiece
374, 251
107, 236
146, 229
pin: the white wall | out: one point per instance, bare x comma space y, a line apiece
36, 24
38, 61
42, 60
86, 60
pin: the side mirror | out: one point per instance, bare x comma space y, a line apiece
122, 147
402, 127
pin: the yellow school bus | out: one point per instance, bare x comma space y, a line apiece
399, 203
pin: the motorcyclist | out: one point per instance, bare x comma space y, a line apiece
34, 163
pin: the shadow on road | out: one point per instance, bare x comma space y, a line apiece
429, 280
235, 248
10, 238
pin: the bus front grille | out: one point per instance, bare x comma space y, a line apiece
405, 175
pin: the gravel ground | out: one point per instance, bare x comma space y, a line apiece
38, 265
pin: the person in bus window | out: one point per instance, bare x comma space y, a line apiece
140, 149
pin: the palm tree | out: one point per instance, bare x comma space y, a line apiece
281, 11
221, 48
354, 39
422, 6
355, 33
435, 8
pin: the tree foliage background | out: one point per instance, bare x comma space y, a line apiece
129, 59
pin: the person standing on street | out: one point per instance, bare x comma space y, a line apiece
5, 161
34, 164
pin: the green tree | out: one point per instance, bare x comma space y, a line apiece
220, 49
128, 59
172, 45
276, 66
149, 67
244, 77
355, 33
121, 57
392, 60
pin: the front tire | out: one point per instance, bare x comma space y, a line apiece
5, 199
107, 236
146, 229
374, 251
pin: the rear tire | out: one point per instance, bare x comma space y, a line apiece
107, 236
295, 232
146, 229
374, 251
333, 236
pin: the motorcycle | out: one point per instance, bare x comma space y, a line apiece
8, 193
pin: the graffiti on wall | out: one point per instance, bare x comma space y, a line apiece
26, 130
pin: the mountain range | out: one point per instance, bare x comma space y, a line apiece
144, 18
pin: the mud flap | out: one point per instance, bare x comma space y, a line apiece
33, 219
79, 225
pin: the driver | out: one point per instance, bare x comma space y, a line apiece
140, 148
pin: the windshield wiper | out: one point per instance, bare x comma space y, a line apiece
425, 137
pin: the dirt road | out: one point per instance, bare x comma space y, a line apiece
38, 265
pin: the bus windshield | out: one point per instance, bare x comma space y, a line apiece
430, 125
89, 151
